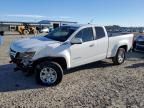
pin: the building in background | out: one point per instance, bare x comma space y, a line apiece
35, 26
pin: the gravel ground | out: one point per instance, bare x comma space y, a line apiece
98, 85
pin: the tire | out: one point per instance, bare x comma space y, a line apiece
49, 74
25, 32
120, 57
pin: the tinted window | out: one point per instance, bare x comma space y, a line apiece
86, 35
99, 32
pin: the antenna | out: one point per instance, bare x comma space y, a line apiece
91, 21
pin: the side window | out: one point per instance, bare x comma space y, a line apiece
99, 32
86, 34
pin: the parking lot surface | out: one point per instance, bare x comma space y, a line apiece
99, 85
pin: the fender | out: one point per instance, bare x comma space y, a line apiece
121, 44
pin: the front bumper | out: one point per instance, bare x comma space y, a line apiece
139, 48
23, 64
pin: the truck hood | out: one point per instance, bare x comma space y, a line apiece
31, 43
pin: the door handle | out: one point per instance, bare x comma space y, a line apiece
92, 45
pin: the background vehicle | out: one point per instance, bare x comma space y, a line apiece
27, 29
44, 30
139, 43
67, 47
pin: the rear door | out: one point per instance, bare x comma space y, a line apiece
101, 43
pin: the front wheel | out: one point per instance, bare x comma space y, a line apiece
120, 57
49, 74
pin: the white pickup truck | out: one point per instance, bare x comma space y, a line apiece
67, 47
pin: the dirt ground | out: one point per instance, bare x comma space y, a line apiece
96, 85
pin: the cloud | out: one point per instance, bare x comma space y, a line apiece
25, 16
65, 17
37, 16
32, 17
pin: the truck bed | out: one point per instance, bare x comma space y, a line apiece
112, 34
116, 40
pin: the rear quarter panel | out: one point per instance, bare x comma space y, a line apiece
118, 41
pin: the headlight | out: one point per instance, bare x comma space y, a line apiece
27, 55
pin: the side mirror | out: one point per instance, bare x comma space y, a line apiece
76, 41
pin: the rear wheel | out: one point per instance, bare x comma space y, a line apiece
49, 74
120, 57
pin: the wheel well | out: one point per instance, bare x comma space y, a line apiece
60, 60
125, 47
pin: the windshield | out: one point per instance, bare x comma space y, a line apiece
61, 33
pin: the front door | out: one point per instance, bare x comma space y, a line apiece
83, 53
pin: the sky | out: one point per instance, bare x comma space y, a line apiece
101, 12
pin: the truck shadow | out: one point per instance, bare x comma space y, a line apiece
135, 56
137, 65
99, 64
15, 81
